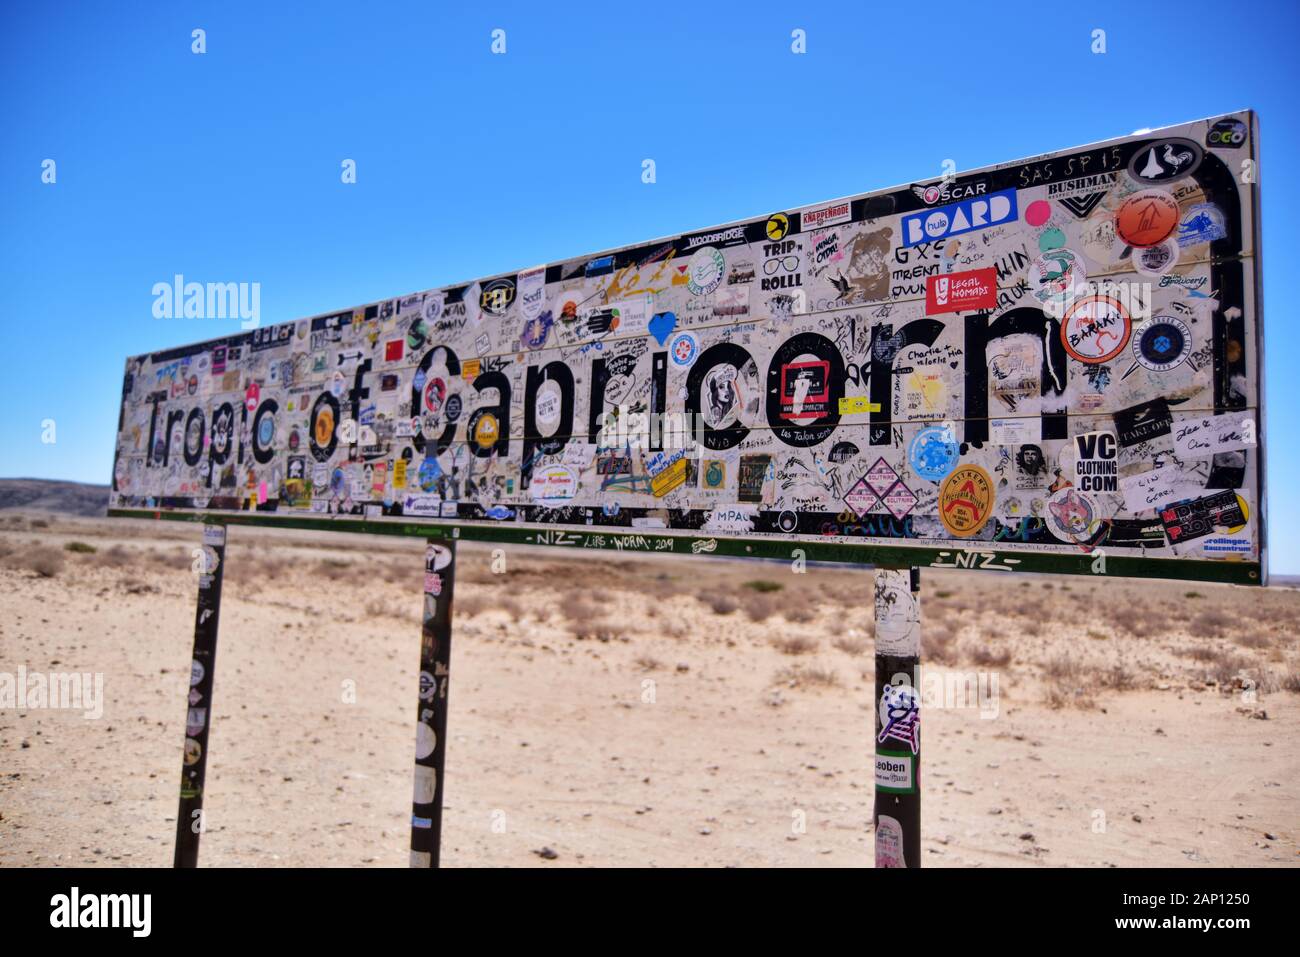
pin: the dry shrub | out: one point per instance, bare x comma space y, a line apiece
117, 557
986, 657
937, 641
1062, 668
800, 676
1254, 639
40, 523
1134, 621
852, 646
721, 604
133, 586
1118, 677
45, 560
471, 605
598, 630
80, 548
796, 645
1291, 682
512, 607
178, 556
1225, 667
805, 676
1202, 652
1211, 623
799, 614
575, 606
760, 607
646, 663
334, 569
763, 585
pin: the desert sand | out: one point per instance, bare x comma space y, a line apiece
621, 710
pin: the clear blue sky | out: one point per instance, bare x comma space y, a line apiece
225, 167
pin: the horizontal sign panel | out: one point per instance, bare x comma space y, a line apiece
1052, 362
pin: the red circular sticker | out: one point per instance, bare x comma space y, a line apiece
1147, 218
1096, 329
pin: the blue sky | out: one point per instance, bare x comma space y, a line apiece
225, 166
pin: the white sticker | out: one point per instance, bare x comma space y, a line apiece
426, 781
894, 772
1210, 435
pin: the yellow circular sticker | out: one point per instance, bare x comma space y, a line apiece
324, 426
966, 500
485, 431
778, 224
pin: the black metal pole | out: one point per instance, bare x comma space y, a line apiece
897, 816
198, 717
431, 714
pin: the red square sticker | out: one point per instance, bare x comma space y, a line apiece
961, 291
393, 349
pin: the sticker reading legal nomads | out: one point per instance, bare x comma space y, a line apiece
1019, 356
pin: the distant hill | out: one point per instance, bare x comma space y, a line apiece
45, 495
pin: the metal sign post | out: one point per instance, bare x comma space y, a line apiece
897, 816
431, 711
210, 565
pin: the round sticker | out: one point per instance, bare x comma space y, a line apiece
966, 500
1156, 260
546, 403
1147, 217
453, 408
1071, 513
1162, 343
933, 452
683, 348
434, 393
706, 270
1037, 212
196, 672
193, 751
294, 439
1053, 275
1095, 329
778, 224
266, 430
486, 430
324, 425
251, 396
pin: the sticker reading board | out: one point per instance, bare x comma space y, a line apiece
1049, 365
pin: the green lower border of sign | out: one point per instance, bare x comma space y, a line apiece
881, 752
659, 542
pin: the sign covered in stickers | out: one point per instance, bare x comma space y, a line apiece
1055, 362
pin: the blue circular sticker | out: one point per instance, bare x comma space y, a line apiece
683, 348
934, 452
266, 430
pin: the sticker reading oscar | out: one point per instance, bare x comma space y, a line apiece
966, 500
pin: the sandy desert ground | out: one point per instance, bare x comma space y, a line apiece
618, 710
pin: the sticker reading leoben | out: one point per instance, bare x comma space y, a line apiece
896, 378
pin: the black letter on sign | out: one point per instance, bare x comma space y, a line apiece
803, 397
979, 334
223, 431
562, 376
727, 399
885, 347
269, 407
420, 440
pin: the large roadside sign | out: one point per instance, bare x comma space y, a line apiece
1048, 365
